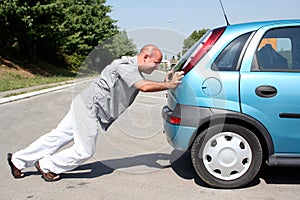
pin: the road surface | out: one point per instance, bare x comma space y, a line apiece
133, 159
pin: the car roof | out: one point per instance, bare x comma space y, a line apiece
259, 24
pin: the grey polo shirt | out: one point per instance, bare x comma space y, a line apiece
113, 92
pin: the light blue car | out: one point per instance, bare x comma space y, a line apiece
239, 103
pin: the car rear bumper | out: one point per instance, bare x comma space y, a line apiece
178, 136
182, 123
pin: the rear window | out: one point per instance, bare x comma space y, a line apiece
198, 50
228, 59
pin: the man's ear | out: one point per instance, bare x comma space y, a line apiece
145, 57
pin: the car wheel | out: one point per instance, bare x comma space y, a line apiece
226, 156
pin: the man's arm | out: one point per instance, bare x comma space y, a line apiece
153, 86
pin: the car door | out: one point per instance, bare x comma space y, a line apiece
270, 85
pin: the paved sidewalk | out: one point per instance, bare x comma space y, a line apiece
37, 90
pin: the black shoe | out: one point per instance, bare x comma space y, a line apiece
14, 171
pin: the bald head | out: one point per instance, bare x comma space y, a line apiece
152, 51
149, 58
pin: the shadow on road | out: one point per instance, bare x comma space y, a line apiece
181, 164
183, 167
271, 175
100, 168
281, 175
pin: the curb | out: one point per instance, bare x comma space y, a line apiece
39, 92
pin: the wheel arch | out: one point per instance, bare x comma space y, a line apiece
241, 119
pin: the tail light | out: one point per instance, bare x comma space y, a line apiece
175, 120
203, 48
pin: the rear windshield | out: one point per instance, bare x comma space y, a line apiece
191, 52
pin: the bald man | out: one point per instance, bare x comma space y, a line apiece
103, 102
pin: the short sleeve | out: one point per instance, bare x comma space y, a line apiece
130, 74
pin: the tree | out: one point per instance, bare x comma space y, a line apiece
55, 29
114, 47
87, 24
12, 23
120, 45
33, 25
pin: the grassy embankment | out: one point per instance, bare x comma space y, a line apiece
15, 75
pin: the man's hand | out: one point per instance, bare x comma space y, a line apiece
176, 78
169, 75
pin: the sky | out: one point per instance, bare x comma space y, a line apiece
167, 23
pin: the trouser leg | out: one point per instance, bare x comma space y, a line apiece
85, 132
46, 144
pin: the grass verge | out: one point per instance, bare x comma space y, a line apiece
13, 80
14, 75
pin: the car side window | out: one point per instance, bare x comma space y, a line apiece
228, 59
279, 50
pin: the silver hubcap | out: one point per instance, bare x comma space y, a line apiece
227, 156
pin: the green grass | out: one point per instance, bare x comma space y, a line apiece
16, 74
19, 73
13, 80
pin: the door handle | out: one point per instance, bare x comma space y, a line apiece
266, 91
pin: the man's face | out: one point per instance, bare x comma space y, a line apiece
150, 64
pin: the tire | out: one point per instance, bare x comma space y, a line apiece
227, 156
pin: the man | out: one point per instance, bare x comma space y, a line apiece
102, 103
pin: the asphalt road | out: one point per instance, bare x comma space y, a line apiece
133, 159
